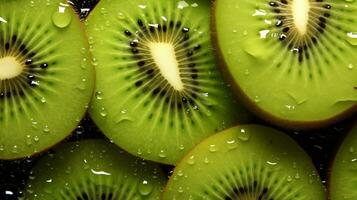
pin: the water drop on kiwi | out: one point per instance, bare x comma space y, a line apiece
145, 188
62, 17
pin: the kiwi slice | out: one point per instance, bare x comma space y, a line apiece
292, 61
248, 162
46, 80
92, 170
158, 88
343, 179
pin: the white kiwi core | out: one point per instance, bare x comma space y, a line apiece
165, 58
9, 68
300, 9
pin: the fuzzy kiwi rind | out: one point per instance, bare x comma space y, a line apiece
342, 177
242, 161
93, 169
48, 99
144, 117
286, 121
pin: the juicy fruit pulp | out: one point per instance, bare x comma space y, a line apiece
294, 60
342, 183
45, 85
158, 89
246, 162
92, 170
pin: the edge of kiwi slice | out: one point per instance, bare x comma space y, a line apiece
343, 167
278, 8
246, 162
47, 79
159, 90
93, 169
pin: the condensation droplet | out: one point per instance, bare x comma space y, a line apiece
212, 148
62, 17
191, 160
145, 188
243, 135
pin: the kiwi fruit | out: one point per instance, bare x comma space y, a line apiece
92, 170
342, 175
246, 162
291, 61
158, 88
46, 78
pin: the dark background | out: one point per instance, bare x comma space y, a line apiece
320, 144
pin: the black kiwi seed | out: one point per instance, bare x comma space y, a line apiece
286, 36
146, 64
29, 76
128, 33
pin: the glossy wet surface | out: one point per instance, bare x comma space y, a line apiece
321, 144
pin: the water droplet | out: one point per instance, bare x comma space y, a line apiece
145, 188
2, 147
139, 152
28, 140
297, 175
182, 4
289, 178
299, 100
98, 95
62, 17
103, 11
259, 12
352, 38
43, 100
36, 138
256, 99
351, 149
15, 149
142, 6
245, 33
212, 148
162, 154
120, 15
206, 160
180, 173
264, 34
246, 72
123, 116
273, 163
243, 135
290, 107
46, 129
103, 112
350, 66
191, 160
232, 144
181, 147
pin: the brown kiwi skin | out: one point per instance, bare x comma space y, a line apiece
350, 126
85, 35
262, 114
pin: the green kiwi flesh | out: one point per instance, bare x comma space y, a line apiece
343, 179
247, 162
92, 170
46, 79
158, 88
293, 61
